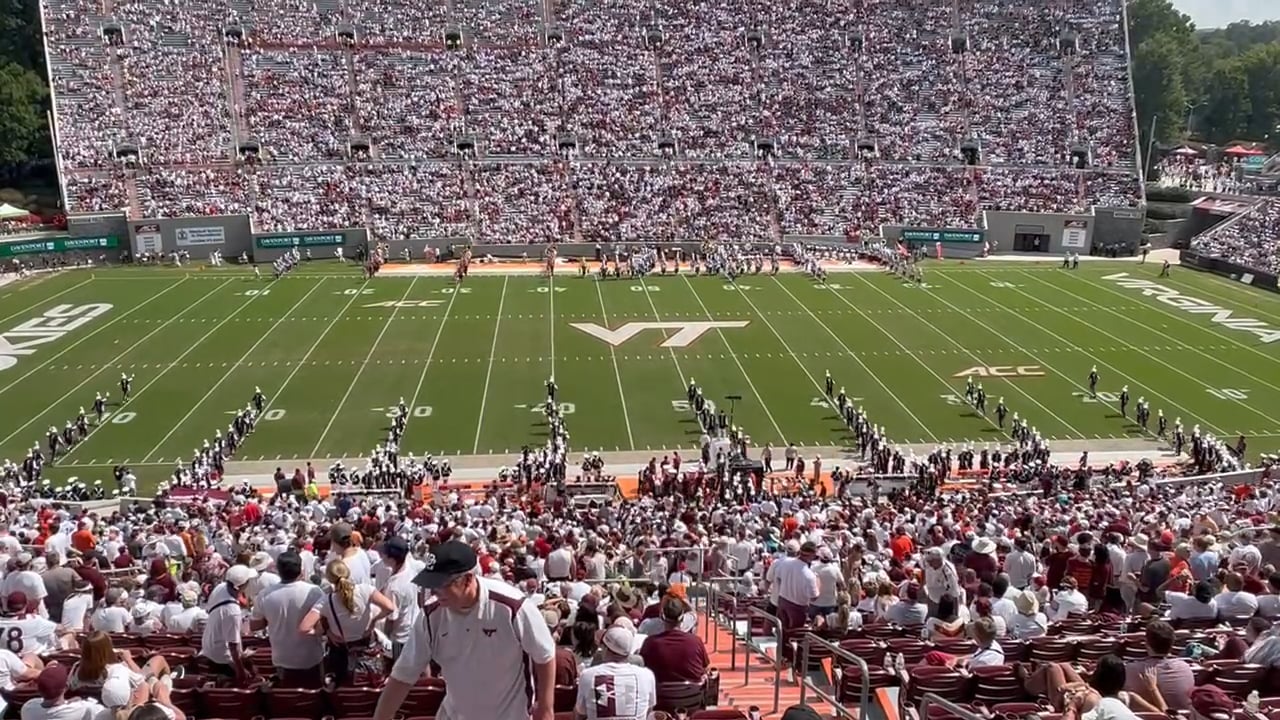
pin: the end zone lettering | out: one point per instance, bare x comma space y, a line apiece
53, 324
1219, 315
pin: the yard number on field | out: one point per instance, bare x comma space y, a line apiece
1003, 284
355, 291
251, 293
460, 291
419, 411
1229, 393
952, 399
273, 414
1102, 396
645, 288
566, 408
119, 418
544, 289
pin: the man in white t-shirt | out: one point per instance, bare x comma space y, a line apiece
491, 643
559, 565
830, 583
22, 632
398, 586
221, 646
25, 581
114, 616
184, 615
298, 658
614, 688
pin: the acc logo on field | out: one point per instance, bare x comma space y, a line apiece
1003, 371
687, 332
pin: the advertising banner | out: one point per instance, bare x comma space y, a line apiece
288, 240
146, 239
940, 235
62, 243
1075, 233
192, 236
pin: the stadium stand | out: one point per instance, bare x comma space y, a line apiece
1251, 240
588, 116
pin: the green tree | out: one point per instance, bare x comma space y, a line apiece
1227, 108
20, 38
1158, 86
24, 131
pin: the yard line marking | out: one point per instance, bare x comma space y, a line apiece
970, 353
631, 442
365, 363
493, 351
551, 315
97, 330
658, 318
280, 390
167, 367
1173, 405
33, 305
229, 372
84, 382
1187, 320
720, 333
822, 390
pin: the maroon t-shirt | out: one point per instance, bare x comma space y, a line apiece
675, 656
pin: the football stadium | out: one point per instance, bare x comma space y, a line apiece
830, 342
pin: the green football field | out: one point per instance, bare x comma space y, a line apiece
333, 353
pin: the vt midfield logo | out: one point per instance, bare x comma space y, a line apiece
53, 324
688, 332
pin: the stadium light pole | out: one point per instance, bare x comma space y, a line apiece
1151, 141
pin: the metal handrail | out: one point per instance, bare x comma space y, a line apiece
864, 697
930, 699
775, 661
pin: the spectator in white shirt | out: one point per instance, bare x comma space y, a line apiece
53, 703
114, 616
559, 565
184, 615
1269, 604
1029, 622
1068, 601
349, 617
797, 586
940, 579
1199, 605
280, 610
830, 583
1020, 564
1233, 601
76, 606
615, 688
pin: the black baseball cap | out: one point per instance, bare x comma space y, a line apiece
444, 562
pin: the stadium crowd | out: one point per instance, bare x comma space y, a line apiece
99, 604
1251, 240
160, 76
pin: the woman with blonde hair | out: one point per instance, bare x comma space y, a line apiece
99, 661
348, 614
845, 618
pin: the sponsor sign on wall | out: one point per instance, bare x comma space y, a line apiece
146, 238
192, 236
1075, 233
275, 242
